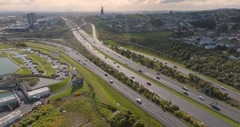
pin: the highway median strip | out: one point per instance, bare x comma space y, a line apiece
206, 108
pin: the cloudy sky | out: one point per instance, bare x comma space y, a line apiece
115, 5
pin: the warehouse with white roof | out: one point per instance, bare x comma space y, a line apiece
38, 93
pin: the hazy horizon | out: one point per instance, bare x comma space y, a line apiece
115, 5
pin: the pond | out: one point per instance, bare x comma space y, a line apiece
7, 66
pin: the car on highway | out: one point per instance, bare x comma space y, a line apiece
114, 62
118, 66
158, 78
164, 62
79, 60
84, 63
174, 66
140, 71
223, 88
148, 83
111, 81
139, 100
106, 74
105, 57
201, 97
132, 76
215, 106
185, 88
185, 92
158, 73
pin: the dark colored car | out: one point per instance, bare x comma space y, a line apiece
158, 78
215, 106
185, 92
148, 83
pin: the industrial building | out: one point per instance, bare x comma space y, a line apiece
38, 93
8, 100
10, 118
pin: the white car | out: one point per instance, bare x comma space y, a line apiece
201, 97
132, 76
185, 88
139, 100
111, 81
223, 88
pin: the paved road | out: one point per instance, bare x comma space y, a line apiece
225, 109
198, 113
152, 109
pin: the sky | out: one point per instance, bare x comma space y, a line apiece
115, 5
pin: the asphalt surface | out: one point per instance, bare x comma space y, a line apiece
196, 112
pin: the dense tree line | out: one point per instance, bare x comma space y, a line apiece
156, 22
126, 119
208, 24
193, 80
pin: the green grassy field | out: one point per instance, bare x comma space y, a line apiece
104, 93
5, 46
58, 86
3, 54
151, 34
70, 91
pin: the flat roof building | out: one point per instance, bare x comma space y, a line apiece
31, 18
38, 93
8, 98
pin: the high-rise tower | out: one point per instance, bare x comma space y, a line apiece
102, 11
31, 18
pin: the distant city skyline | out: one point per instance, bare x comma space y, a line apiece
115, 5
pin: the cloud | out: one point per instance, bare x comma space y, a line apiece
16, 2
172, 1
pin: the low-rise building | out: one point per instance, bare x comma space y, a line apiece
38, 93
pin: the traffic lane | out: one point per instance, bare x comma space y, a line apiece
198, 113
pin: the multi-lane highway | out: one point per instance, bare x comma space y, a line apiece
152, 109
198, 113
225, 109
